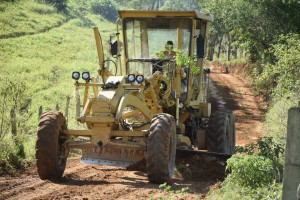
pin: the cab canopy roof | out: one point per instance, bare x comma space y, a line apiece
154, 14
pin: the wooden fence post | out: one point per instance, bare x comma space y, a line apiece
67, 108
40, 112
57, 107
291, 174
13, 122
298, 192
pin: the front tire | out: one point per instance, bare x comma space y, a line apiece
51, 155
221, 133
161, 149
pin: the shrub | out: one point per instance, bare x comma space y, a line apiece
17, 153
251, 171
268, 148
264, 146
104, 8
281, 76
80, 7
60, 5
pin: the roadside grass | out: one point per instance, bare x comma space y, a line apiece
233, 191
170, 193
14, 156
255, 172
277, 116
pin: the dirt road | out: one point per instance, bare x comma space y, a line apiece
83, 181
234, 93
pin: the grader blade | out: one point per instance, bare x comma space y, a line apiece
113, 155
104, 162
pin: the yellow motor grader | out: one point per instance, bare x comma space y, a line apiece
148, 103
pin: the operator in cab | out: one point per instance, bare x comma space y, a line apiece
168, 52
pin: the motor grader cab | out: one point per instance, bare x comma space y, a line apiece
152, 106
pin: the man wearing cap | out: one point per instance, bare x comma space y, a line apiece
169, 53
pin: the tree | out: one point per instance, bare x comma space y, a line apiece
180, 5
254, 25
161, 4
105, 8
61, 5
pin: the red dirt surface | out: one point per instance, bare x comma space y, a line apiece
199, 174
235, 94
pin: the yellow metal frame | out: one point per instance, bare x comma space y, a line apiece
142, 13
104, 112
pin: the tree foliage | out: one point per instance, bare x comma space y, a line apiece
268, 148
251, 170
253, 25
61, 5
180, 5
160, 4
282, 76
105, 8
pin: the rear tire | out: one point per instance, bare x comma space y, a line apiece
161, 149
221, 133
51, 155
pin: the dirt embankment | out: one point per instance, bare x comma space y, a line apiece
199, 174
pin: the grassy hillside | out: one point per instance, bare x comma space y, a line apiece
41, 48
28, 17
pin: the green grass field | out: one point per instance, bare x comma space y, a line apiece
44, 60
28, 17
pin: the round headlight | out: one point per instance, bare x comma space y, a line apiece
139, 78
76, 75
206, 70
86, 76
131, 78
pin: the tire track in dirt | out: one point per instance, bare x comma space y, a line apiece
104, 183
8, 184
45, 191
99, 182
15, 187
